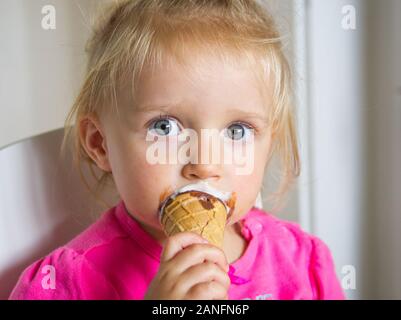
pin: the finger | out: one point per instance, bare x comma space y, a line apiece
208, 291
199, 253
179, 241
204, 272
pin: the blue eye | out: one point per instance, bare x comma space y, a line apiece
238, 131
165, 127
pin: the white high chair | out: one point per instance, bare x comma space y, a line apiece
43, 204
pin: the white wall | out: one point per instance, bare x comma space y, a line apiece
337, 92
354, 115
39, 68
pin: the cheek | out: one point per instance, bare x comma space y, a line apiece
140, 183
129, 162
246, 196
253, 181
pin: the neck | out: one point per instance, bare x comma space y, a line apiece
234, 244
156, 234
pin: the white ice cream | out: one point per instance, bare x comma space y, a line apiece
201, 186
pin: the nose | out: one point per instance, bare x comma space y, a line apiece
201, 172
202, 165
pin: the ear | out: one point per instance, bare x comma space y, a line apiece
93, 140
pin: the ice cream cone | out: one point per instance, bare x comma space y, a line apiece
197, 212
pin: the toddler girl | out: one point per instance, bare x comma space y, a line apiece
157, 68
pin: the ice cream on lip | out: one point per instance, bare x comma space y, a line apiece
227, 198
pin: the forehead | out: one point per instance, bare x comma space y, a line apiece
206, 80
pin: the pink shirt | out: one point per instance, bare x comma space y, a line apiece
116, 259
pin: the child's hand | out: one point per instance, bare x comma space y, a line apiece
190, 269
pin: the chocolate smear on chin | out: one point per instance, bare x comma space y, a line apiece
231, 204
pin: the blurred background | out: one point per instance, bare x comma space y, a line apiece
347, 78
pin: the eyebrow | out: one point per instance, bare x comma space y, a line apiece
150, 108
247, 114
235, 111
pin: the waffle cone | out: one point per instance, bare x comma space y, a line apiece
196, 212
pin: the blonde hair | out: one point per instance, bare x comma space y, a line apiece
133, 33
